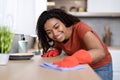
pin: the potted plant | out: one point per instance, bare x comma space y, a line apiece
6, 38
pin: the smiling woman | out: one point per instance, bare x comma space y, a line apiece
78, 40
56, 30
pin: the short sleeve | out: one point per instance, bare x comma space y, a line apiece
81, 28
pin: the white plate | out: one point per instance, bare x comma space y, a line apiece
21, 56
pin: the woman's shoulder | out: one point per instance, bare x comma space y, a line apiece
81, 28
80, 25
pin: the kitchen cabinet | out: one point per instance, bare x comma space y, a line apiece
68, 5
90, 8
86, 5
103, 6
96, 14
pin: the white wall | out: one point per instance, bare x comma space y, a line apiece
103, 6
40, 6
25, 18
21, 15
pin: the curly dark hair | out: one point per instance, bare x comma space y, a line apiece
63, 16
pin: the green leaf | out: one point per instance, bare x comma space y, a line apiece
6, 38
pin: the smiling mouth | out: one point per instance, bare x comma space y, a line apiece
58, 37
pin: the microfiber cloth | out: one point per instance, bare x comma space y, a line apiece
52, 66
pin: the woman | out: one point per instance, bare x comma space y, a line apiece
76, 39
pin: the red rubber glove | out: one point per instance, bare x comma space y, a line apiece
51, 53
79, 57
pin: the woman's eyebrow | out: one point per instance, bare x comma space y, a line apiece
55, 24
52, 26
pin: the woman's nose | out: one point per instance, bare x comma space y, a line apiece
55, 32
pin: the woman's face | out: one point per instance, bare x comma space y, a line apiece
56, 30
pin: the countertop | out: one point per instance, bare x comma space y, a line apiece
30, 70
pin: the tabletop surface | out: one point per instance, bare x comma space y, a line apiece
31, 70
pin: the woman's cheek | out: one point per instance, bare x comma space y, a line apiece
50, 36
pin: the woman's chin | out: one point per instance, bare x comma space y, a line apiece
60, 40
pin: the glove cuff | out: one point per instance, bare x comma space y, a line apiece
83, 57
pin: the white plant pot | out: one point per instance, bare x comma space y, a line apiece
4, 58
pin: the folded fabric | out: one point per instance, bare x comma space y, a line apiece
52, 66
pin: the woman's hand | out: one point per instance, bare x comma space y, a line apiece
79, 57
51, 53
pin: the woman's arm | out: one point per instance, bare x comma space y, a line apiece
94, 46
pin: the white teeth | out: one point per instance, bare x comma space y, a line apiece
59, 36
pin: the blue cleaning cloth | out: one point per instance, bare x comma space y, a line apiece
52, 66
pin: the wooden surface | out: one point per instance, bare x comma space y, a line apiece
30, 70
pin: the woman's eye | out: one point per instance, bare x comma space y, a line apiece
48, 32
56, 27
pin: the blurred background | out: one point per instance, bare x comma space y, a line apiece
102, 15
21, 16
